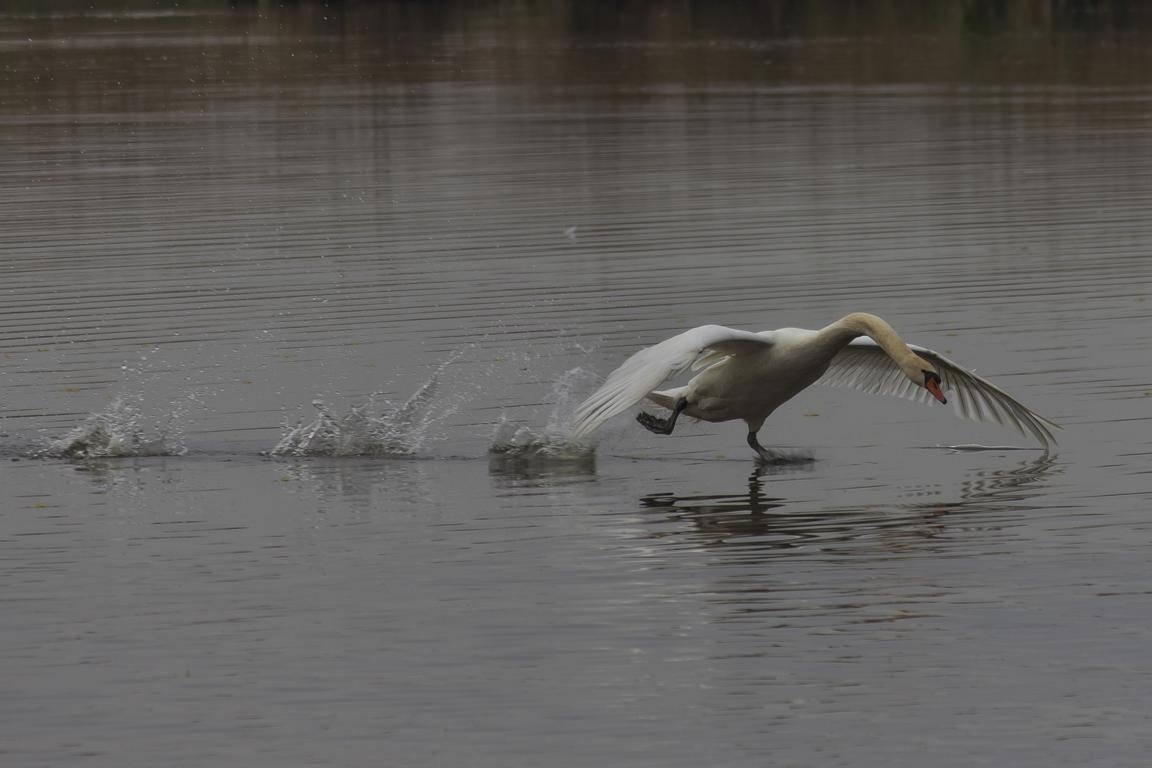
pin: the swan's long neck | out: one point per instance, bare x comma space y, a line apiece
863, 324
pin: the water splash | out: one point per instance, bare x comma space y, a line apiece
553, 443
369, 429
520, 440
119, 431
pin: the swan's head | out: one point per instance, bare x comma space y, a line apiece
925, 374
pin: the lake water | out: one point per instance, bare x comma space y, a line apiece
242, 242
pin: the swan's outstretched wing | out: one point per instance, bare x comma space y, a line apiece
864, 365
643, 372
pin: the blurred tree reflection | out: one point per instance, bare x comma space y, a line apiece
104, 52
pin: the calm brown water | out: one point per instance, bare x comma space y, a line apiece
214, 217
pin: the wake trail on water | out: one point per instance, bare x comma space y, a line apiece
976, 447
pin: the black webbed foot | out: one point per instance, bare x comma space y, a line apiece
662, 426
654, 424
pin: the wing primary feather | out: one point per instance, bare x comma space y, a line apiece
864, 365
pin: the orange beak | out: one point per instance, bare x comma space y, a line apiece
933, 386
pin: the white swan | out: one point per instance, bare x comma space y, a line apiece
749, 375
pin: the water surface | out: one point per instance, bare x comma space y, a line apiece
402, 229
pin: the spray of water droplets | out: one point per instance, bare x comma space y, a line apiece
553, 442
371, 428
118, 431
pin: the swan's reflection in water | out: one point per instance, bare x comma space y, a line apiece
510, 472
1019, 483
765, 563
756, 519
362, 485
720, 518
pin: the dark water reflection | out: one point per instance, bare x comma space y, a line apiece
1018, 42
755, 521
222, 219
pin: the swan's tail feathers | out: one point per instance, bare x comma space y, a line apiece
645, 370
618, 394
667, 398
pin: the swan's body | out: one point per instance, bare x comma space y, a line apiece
749, 375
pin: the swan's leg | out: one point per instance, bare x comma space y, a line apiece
771, 457
662, 426
768, 456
